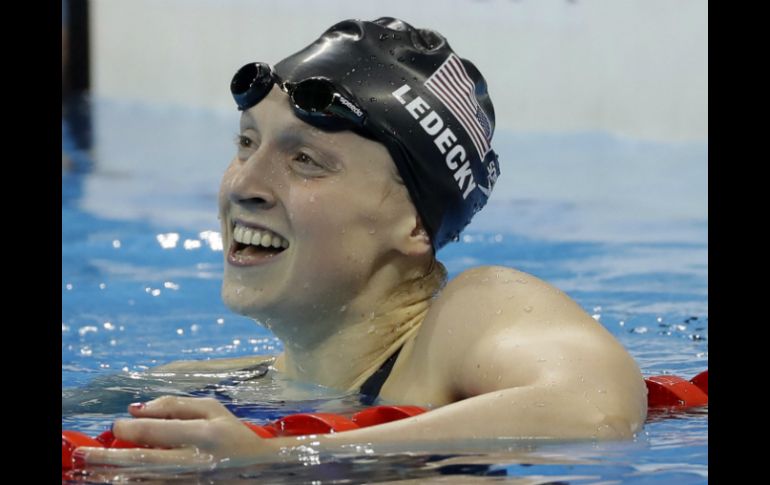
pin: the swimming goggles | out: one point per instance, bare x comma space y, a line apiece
315, 97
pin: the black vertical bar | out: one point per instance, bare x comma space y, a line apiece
76, 84
78, 75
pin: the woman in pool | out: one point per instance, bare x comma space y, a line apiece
358, 158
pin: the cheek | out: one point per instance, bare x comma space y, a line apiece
335, 210
336, 227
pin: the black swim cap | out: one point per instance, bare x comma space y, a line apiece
428, 106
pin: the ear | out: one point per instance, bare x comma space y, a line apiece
413, 238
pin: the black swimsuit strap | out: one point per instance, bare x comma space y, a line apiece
370, 389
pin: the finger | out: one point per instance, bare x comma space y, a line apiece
163, 433
177, 407
89, 456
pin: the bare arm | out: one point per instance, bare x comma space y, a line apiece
203, 432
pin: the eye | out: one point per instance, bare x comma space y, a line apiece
245, 144
306, 159
243, 141
306, 166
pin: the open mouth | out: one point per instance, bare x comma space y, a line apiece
253, 246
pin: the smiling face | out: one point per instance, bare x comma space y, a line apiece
308, 217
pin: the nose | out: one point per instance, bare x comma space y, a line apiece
251, 185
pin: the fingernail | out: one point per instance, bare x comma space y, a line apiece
137, 406
78, 459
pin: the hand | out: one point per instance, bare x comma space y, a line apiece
193, 431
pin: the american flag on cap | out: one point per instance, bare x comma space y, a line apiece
452, 85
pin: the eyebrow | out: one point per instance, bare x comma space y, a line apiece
296, 133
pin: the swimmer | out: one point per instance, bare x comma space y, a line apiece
358, 158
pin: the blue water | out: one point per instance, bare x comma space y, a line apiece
619, 224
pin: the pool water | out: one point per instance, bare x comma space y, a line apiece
619, 224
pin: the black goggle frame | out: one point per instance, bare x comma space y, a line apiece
315, 97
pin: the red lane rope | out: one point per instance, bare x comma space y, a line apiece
673, 391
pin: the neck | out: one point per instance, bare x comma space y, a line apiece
363, 334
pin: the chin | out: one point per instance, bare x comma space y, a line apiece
243, 300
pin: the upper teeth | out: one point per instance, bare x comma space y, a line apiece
259, 237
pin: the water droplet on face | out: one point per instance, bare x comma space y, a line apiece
528, 309
343, 308
372, 231
498, 312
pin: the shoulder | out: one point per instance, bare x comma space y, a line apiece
489, 305
494, 327
493, 277
483, 294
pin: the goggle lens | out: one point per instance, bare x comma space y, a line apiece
312, 95
251, 84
